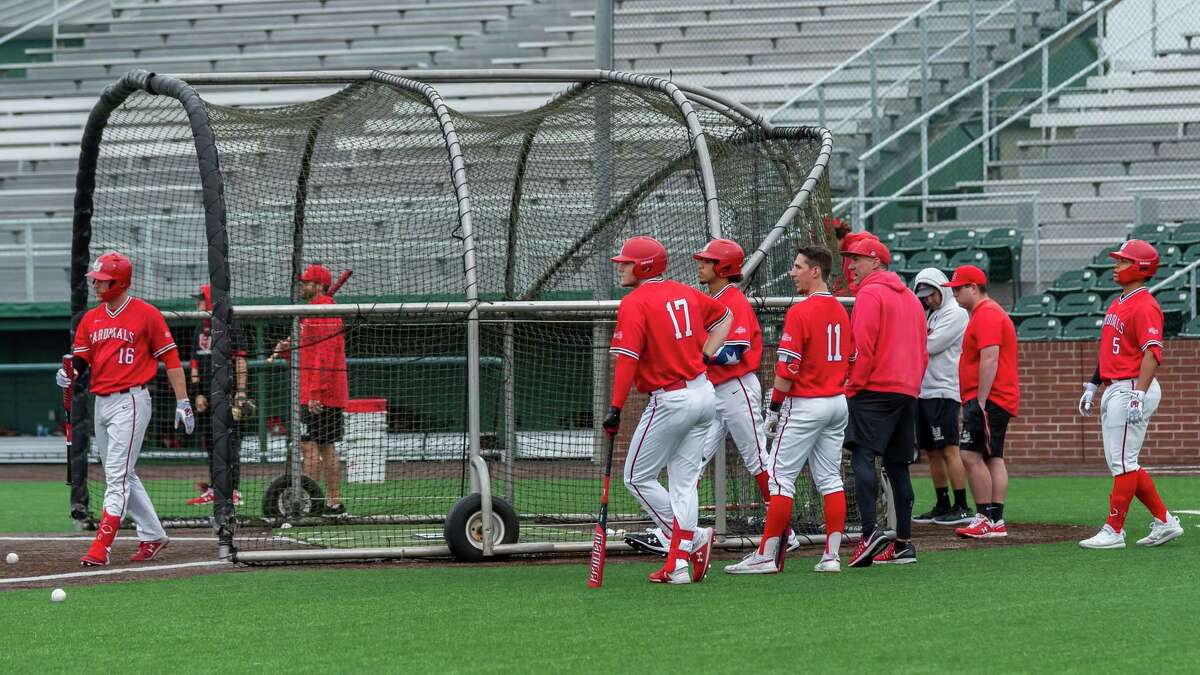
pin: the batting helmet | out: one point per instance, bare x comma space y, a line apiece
869, 247
648, 256
1143, 256
726, 254
319, 274
112, 267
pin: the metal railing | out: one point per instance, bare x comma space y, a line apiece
51, 16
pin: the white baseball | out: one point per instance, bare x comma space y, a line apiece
11, 558
58, 595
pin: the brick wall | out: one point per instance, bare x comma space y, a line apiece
1050, 430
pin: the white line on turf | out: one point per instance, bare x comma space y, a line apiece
1187, 512
173, 539
123, 570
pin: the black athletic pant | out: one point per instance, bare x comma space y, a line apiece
866, 488
204, 428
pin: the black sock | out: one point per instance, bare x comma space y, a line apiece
902, 495
960, 499
943, 498
866, 486
983, 508
997, 512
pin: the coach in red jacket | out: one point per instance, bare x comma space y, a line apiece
884, 381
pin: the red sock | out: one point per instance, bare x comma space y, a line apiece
107, 532
835, 521
1124, 486
1148, 495
764, 489
779, 514
680, 553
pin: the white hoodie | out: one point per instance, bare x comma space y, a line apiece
946, 326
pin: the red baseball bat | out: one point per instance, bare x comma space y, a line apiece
333, 288
68, 364
600, 540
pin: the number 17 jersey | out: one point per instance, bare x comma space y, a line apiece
663, 324
815, 348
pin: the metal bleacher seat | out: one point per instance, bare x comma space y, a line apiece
1040, 328
1084, 328
1041, 304
1151, 232
957, 240
971, 256
1078, 304
1073, 281
1187, 234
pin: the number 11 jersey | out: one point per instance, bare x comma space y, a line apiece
814, 351
663, 324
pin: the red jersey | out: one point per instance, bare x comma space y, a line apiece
816, 347
990, 326
663, 324
744, 332
123, 346
323, 359
1132, 326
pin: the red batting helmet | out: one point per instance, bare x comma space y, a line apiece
726, 254
1143, 256
112, 267
649, 256
319, 274
869, 247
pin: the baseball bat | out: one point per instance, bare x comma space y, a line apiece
68, 364
342, 278
600, 540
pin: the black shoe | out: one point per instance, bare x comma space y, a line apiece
339, 510
932, 515
900, 554
866, 551
958, 516
647, 542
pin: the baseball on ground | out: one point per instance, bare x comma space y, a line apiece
58, 595
11, 558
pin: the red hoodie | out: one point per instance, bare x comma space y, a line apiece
889, 333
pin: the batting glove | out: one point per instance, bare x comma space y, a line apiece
612, 421
771, 422
61, 379
183, 413
1136, 412
1085, 401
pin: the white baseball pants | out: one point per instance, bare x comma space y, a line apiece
811, 430
671, 434
739, 414
121, 422
1123, 440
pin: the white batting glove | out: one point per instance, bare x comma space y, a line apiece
771, 422
61, 379
1085, 401
1135, 413
183, 413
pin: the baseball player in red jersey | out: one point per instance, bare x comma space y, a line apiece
324, 389
808, 413
665, 333
1130, 354
121, 341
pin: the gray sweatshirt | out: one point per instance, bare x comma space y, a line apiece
946, 326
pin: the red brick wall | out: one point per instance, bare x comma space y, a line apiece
1050, 430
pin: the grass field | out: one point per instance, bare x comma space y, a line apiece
1051, 607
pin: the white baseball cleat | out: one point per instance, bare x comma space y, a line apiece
1162, 532
755, 563
1105, 538
828, 564
681, 575
793, 542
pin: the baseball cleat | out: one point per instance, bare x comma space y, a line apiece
897, 554
868, 548
979, 528
755, 563
1105, 538
928, 516
94, 559
148, 550
701, 553
828, 564
1161, 532
793, 542
679, 576
336, 510
205, 497
649, 541
955, 516
997, 529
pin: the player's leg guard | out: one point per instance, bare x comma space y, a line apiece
835, 522
1147, 494
97, 554
1124, 487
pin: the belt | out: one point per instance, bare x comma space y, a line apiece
674, 386
124, 391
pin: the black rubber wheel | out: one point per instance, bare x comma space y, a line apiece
277, 500
464, 527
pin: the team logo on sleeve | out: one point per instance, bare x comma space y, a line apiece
786, 337
619, 335
740, 330
1152, 330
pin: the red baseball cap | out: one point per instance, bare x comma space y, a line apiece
869, 247
967, 274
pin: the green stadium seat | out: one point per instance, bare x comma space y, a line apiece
1042, 304
971, 256
1169, 255
1151, 232
1040, 328
922, 259
957, 240
1084, 328
1165, 273
1190, 255
1003, 246
1109, 299
1078, 304
917, 240
891, 238
1187, 234
1191, 329
1101, 262
1105, 285
899, 260
1073, 282
1176, 308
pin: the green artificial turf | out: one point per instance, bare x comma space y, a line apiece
1047, 608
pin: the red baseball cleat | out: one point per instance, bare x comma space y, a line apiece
94, 559
149, 550
701, 553
663, 576
982, 528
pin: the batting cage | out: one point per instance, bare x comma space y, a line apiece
448, 398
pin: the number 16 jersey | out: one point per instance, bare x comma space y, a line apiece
122, 346
663, 324
815, 348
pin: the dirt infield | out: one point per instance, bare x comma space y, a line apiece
192, 553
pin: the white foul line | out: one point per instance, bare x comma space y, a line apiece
1188, 512
173, 539
123, 570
